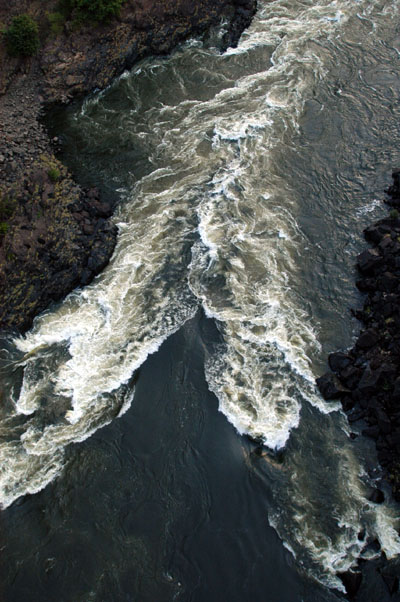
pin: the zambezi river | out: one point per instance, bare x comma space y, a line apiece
244, 179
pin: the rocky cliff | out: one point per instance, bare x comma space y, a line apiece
55, 236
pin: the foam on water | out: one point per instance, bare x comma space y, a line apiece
330, 532
213, 224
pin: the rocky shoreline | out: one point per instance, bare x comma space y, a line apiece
55, 236
366, 378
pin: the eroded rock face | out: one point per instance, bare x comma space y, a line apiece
55, 236
74, 64
58, 239
76, 60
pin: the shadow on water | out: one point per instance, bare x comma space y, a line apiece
162, 504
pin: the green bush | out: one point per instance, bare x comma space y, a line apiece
95, 10
394, 214
7, 208
3, 228
56, 22
22, 37
54, 174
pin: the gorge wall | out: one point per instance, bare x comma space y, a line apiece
54, 235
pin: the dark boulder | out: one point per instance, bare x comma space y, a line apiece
368, 339
355, 414
376, 496
347, 403
338, 361
376, 232
369, 382
330, 387
369, 261
257, 440
389, 372
371, 431
93, 193
350, 376
86, 277
384, 422
388, 282
394, 189
366, 285
388, 309
386, 243
260, 451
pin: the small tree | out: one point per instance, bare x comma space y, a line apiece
22, 37
95, 10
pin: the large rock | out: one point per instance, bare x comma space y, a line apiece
369, 382
368, 339
394, 189
330, 387
338, 361
376, 232
376, 496
388, 282
369, 261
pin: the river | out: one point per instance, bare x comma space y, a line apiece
245, 180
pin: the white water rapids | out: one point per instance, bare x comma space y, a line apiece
213, 225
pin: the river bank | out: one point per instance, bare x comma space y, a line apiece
366, 377
54, 236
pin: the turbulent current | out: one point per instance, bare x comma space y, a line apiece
245, 180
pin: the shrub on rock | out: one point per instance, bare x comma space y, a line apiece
22, 37
95, 10
54, 174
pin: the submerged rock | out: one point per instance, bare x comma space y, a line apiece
376, 496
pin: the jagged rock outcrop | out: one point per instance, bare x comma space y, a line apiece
53, 235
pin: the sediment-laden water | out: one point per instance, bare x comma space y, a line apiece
245, 181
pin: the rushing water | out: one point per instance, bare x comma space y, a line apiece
245, 181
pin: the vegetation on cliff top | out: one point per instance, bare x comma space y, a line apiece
22, 36
94, 10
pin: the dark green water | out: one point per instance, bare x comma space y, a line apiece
162, 504
245, 181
